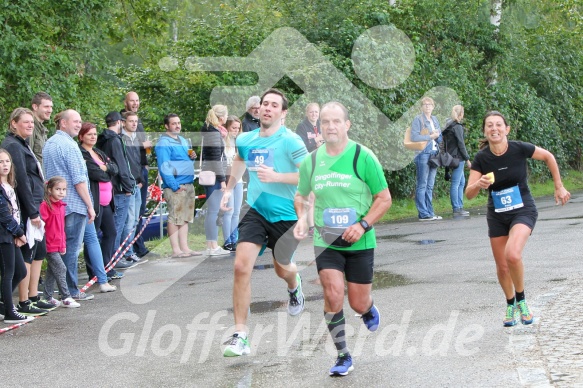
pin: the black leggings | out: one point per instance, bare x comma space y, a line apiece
12, 270
104, 222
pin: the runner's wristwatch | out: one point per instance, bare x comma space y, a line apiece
365, 225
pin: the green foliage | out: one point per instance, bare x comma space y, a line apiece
454, 47
88, 54
543, 70
53, 47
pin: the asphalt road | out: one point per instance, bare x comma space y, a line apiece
435, 286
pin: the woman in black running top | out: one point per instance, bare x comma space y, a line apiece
501, 168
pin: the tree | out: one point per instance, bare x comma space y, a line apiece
495, 19
453, 42
53, 47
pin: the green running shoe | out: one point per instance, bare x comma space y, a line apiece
512, 313
525, 315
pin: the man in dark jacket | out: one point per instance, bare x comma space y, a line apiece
110, 142
42, 107
132, 104
251, 118
133, 145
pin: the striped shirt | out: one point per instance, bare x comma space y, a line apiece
62, 157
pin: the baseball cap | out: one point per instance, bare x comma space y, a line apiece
113, 116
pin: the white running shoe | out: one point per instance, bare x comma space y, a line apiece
296, 302
106, 287
236, 346
70, 303
53, 301
218, 251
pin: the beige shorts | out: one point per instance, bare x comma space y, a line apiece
180, 204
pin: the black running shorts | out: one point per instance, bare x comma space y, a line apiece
279, 236
38, 252
499, 224
356, 265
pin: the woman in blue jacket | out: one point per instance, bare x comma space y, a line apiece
426, 127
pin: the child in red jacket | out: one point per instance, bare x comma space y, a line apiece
52, 211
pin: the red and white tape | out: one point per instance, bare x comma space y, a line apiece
118, 253
16, 325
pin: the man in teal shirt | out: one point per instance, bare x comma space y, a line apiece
272, 154
351, 195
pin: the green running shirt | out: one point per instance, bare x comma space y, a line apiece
341, 198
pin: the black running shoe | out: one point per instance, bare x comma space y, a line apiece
41, 304
27, 308
16, 317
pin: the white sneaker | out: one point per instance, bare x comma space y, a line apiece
70, 303
53, 301
236, 346
106, 287
296, 302
218, 251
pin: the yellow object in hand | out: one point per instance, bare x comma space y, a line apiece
490, 176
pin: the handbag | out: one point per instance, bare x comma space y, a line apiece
413, 145
444, 158
207, 177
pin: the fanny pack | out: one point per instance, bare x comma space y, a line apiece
333, 237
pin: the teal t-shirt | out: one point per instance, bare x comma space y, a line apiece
341, 198
284, 151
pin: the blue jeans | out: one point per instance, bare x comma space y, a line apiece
231, 218
94, 250
120, 216
134, 204
456, 191
214, 195
425, 181
74, 230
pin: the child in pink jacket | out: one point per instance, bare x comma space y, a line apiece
52, 211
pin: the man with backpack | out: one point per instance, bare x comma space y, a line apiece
351, 195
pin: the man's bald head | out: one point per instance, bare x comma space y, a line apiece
70, 122
132, 102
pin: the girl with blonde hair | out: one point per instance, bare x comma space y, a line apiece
213, 159
453, 138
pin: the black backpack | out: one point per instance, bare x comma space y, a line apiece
354, 161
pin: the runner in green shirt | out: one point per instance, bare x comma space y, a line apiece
351, 195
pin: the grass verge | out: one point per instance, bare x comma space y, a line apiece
401, 209
405, 208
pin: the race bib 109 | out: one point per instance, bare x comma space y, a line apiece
339, 218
